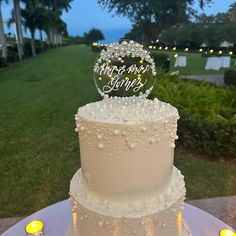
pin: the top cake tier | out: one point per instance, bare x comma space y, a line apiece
126, 146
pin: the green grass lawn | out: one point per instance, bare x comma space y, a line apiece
39, 150
195, 64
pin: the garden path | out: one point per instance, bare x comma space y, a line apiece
216, 79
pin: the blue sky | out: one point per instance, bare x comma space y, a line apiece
86, 14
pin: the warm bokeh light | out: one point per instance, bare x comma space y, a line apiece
176, 55
186, 49
220, 52
174, 48
166, 48
180, 222
116, 228
150, 47
227, 232
149, 228
211, 51
200, 50
95, 44
34, 227
160, 48
230, 53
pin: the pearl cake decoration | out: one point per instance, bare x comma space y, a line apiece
124, 69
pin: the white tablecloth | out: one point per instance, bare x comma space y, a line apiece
213, 63
58, 216
181, 61
225, 62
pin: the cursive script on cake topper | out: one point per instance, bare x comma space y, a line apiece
124, 69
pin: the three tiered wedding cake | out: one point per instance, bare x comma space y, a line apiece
127, 184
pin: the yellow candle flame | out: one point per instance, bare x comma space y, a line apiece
33, 227
180, 222
227, 232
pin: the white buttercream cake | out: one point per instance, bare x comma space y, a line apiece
127, 184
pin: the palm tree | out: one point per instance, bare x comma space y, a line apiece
2, 34
19, 33
55, 8
29, 20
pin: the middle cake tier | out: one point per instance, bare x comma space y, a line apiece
127, 147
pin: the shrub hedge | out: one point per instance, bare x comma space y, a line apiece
230, 77
162, 60
207, 121
3, 62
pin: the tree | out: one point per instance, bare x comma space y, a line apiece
30, 15
153, 16
93, 35
19, 33
232, 12
2, 35
188, 35
54, 24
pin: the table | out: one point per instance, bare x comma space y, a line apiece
181, 61
57, 217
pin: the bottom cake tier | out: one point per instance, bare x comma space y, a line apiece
160, 215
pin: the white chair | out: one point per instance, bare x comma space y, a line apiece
181, 61
213, 63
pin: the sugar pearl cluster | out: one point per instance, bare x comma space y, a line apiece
133, 110
131, 48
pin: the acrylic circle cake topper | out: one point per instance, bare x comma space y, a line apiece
124, 69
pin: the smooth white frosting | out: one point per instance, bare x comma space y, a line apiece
127, 146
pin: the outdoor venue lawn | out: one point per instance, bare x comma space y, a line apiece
39, 151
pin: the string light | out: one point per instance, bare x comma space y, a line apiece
160, 48
186, 49
100, 78
176, 55
200, 50
211, 51
220, 52
174, 48
166, 48
230, 53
